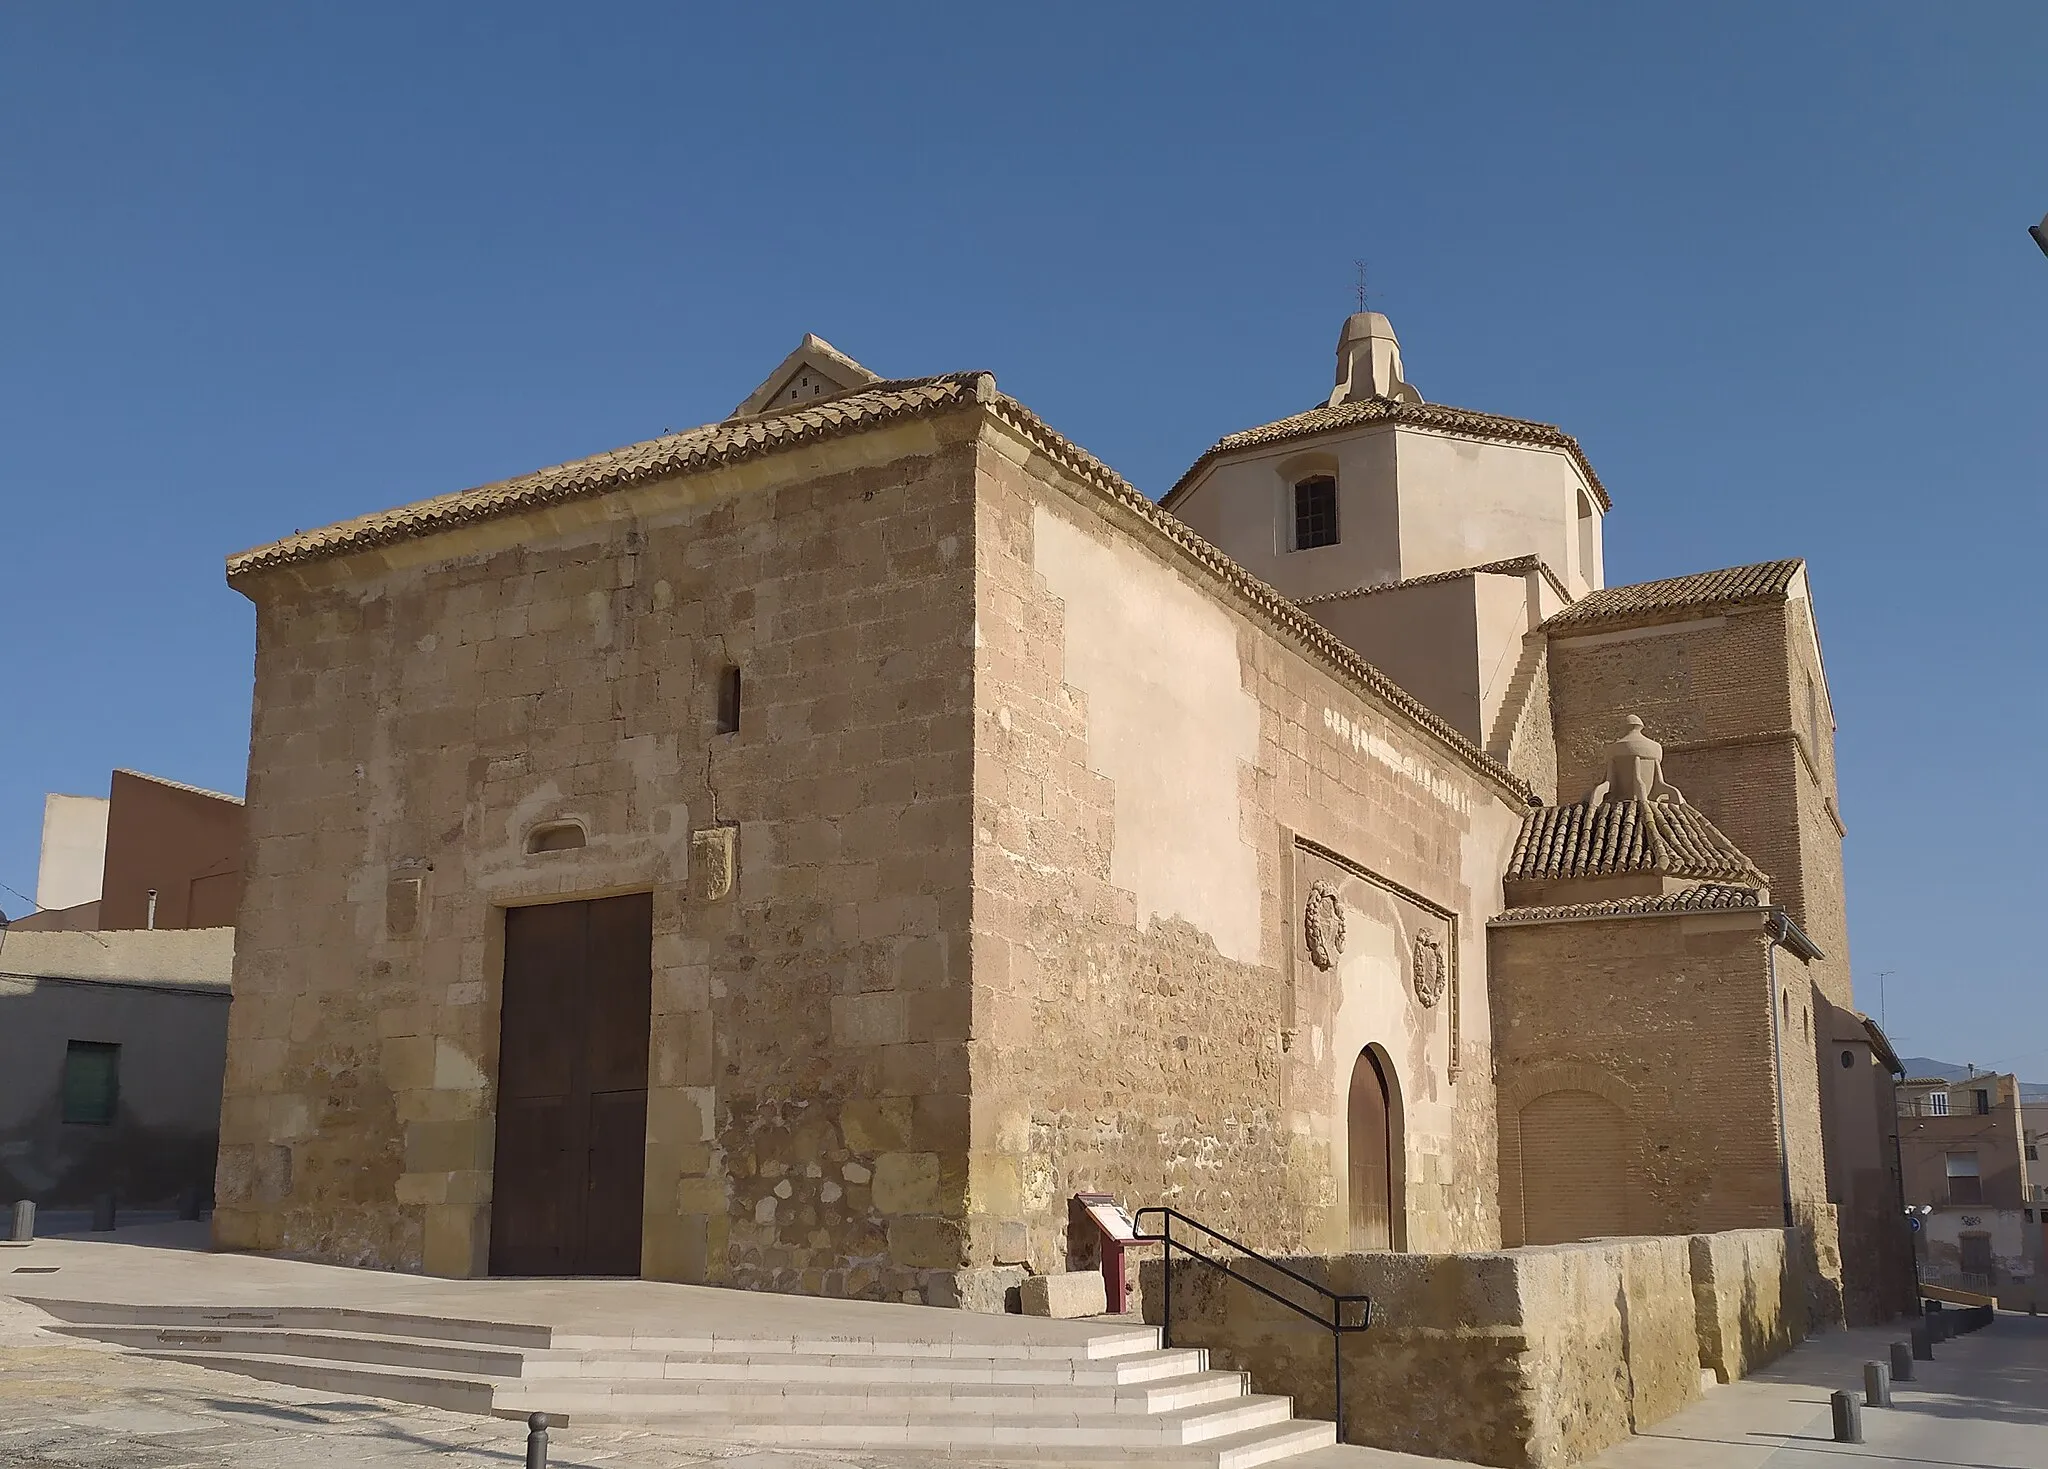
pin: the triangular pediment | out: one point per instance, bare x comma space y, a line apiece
816, 370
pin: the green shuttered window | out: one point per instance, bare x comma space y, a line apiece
92, 1082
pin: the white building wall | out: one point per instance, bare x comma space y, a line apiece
1410, 503
74, 855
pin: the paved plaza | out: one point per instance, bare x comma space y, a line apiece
68, 1403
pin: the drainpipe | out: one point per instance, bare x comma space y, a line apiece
1784, 934
151, 922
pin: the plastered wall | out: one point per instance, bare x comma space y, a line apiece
1409, 503
1149, 760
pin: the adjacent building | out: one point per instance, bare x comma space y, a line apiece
802, 852
114, 1000
151, 853
1971, 1183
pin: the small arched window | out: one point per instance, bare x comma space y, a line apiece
1315, 512
555, 836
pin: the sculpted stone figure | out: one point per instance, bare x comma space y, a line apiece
1635, 770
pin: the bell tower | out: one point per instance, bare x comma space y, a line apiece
1376, 486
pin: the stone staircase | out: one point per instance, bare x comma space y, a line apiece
1113, 1395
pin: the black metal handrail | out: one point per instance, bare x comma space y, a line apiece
1333, 1322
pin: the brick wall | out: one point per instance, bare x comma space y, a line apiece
1665, 1019
1739, 699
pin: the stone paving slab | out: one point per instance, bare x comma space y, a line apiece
72, 1404
1981, 1404
170, 1264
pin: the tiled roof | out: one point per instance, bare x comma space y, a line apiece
697, 448
1514, 566
1282, 613
1766, 581
873, 406
1707, 898
1355, 414
1616, 837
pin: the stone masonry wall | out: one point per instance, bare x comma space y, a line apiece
1150, 758
420, 709
1530, 1358
1665, 1017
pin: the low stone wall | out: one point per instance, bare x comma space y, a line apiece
1751, 1298
1530, 1358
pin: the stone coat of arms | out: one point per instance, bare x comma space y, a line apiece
1429, 969
1322, 925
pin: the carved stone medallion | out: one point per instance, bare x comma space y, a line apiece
1429, 969
1322, 925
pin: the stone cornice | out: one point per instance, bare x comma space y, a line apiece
1465, 423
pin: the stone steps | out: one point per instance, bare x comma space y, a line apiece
1112, 1372
339, 1346
1112, 1395
751, 1395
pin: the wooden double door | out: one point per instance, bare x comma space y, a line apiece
572, 1088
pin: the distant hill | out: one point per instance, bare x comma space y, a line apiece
2030, 1091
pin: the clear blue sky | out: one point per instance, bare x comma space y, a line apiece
266, 266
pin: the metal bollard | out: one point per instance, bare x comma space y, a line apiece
1923, 1343
24, 1221
1877, 1385
191, 1199
1902, 1361
537, 1441
102, 1213
1848, 1417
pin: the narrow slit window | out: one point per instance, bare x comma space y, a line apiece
92, 1082
729, 701
1315, 512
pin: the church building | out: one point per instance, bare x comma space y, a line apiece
802, 852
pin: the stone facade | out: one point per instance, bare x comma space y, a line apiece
984, 947
1008, 840
1157, 1026
421, 711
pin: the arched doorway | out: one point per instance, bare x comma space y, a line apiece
1371, 1133
1574, 1168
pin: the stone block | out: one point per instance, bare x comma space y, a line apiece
907, 1183
1065, 1296
878, 1126
878, 1019
993, 1290
454, 1241
926, 1242
446, 1147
